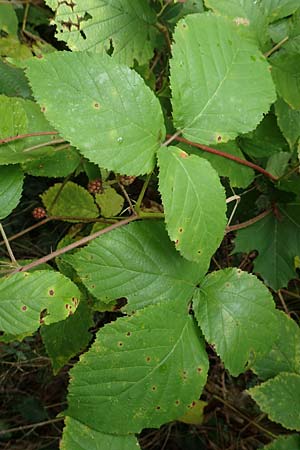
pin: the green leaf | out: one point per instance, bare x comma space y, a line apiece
8, 19
21, 116
286, 76
89, 25
10, 46
285, 352
239, 175
194, 203
77, 436
247, 14
24, 296
265, 140
13, 122
234, 310
11, 186
269, 236
289, 121
277, 9
55, 163
290, 442
137, 262
152, 365
67, 338
13, 81
109, 201
220, 82
69, 200
277, 163
113, 118
195, 415
279, 398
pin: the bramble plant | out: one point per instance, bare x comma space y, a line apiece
184, 118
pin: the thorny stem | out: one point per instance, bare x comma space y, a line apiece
27, 135
244, 162
72, 246
276, 47
27, 230
249, 222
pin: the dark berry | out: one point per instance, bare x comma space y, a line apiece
95, 186
39, 213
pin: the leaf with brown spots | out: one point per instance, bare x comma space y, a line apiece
144, 377
24, 296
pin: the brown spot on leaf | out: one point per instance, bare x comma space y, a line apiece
158, 407
43, 108
128, 333
51, 292
183, 154
24, 308
180, 230
148, 359
120, 344
219, 138
96, 105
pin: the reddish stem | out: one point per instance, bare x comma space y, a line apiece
23, 136
238, 160
72, 246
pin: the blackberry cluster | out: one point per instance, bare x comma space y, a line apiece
39, 213
95, 186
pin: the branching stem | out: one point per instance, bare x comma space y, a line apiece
27, 135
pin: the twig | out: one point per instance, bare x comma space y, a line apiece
33, 425
238, 160
27, 230
276, 47
44, 144
9, 250
283, 302
131, 207
72, 246
249, 222
27, 135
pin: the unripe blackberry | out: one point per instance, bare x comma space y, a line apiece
39, 213
95, 186
126, 180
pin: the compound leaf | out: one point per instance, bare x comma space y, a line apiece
137, 262
11, 185
285, 352
234, 310
77, 436
96, 26
69, 200
194, 203
279, 397
113, 118
269, 236
220, 81
152, 364
25, 296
